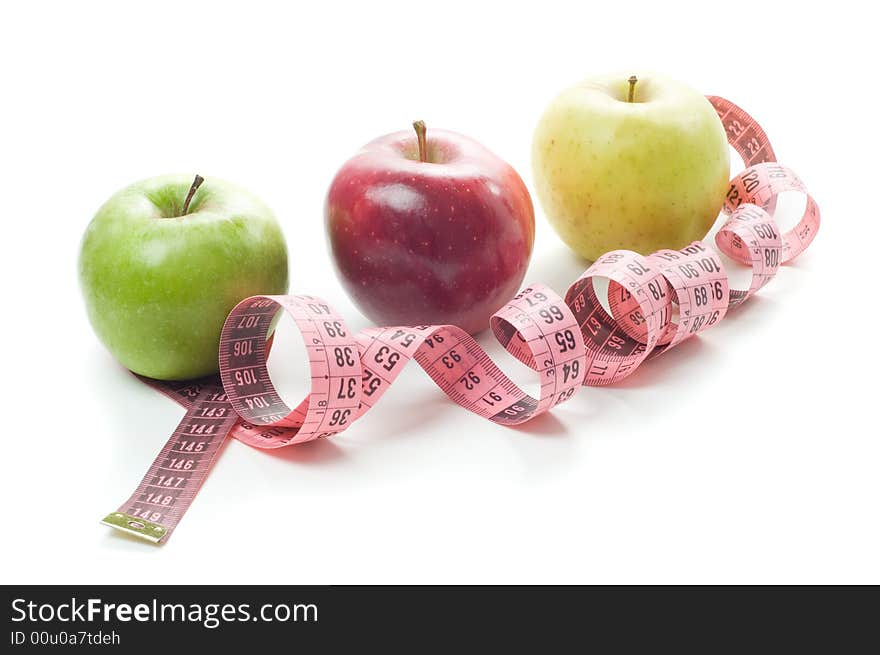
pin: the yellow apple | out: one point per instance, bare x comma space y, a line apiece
637, 162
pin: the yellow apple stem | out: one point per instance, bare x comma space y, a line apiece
421, 130
632, 88
192, 191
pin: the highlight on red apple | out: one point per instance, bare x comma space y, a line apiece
429, 227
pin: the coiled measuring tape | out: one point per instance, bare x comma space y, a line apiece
654, 303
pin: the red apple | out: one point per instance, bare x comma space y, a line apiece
429, 229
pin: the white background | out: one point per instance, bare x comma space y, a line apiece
747, 455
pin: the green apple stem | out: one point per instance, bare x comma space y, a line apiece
421, 134
632, 88
192, 191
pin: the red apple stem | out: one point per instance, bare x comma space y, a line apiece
632, 88
421, 135
192, 191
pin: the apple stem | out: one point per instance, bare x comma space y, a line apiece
632, 88
421, 134
192, 191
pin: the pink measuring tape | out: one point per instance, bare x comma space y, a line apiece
654, 303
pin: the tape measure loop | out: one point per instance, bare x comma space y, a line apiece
751, 237
699, 291
619, 339
335, 369
761, 185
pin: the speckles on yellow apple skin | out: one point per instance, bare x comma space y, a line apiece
641, 176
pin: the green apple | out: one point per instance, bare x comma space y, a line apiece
164, 261
635, 162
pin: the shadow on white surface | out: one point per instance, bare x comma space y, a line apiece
405, 411
671, 364
545, 425
555, 266
312, 453
137, 425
